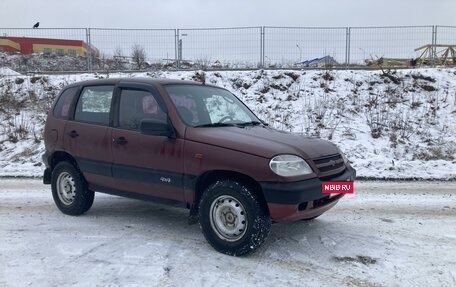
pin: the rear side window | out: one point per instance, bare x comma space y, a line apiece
94, 105
62, 107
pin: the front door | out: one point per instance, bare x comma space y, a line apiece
145, 164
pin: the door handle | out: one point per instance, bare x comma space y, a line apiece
119, 140
73, 134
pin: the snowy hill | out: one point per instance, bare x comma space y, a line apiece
391, 124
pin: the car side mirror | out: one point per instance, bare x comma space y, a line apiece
156, 127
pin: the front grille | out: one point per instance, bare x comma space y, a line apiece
329, 165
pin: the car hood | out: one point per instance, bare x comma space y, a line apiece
262, 141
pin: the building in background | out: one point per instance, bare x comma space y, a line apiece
326, 61
25, 45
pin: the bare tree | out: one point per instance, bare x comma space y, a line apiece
119, 59
138, 56
103, 62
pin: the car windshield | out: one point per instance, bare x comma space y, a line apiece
205, 106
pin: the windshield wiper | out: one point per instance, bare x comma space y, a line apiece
252, 123
215, 125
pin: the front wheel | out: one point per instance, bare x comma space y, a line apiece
69, 190
232, 219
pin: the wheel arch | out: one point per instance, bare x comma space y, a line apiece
60, 156
210, 177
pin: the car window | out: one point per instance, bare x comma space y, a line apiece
203, 105
221, 107
62, 107
186, 107
136, 105
94, 105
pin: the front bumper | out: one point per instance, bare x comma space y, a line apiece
290, 201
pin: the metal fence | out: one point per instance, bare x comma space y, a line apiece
292, 47
387, 42
158, 44
223, 48
234, 48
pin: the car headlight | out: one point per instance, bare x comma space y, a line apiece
289, 165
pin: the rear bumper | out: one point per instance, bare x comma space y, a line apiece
290, 201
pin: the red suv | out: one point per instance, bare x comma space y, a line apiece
191, 143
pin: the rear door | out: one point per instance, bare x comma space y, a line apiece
145, 164
88, 136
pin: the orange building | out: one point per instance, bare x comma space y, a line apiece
26, 45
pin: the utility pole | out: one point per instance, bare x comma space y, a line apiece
179, 54
300, 53
180, 47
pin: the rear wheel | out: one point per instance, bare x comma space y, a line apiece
232, 219
69, 190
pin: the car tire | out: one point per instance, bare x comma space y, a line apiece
69, 190
232, 218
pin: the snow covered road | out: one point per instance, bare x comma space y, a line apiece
386, 234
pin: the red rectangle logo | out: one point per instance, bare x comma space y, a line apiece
328, 187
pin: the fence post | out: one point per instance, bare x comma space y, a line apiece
262, 32
347, 46
89, 51
176, 47
434, 48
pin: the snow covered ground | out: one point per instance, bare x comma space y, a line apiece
391, 124
8, 72
386, 234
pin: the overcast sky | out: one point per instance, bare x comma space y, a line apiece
228, 13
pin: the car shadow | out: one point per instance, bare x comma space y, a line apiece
127, 209
318, 235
